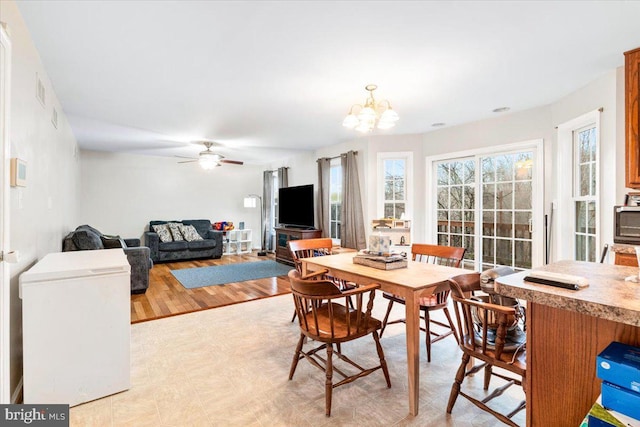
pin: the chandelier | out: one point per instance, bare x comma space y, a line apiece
372, 114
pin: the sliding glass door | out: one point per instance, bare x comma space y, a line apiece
486, 203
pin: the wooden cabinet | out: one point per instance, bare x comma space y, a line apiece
629, 260
632, 118
283, 235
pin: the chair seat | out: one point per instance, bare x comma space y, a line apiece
513, 359
340, 325
428, 302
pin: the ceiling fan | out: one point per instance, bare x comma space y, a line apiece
207, 159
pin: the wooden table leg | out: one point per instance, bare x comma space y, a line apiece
413, 351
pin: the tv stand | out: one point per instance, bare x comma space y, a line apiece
284, 234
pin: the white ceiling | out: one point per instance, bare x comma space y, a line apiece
265, 79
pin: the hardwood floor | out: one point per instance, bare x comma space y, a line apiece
167, 297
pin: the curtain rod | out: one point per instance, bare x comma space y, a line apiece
276, 170
336, 157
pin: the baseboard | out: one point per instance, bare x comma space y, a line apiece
17, 396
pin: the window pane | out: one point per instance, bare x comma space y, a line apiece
469, 172
504, 196
504, 224
488, 251
581, 217
591, 253
488, 196
388, 210
581, 247
456, 173
443, 174
522, 225
456, 240
488, 170
442, 214
443, 198
584, 152
504, 252
488, 220
469, 197
398, 169
592, 182
524, 166
456, 197
388, 190
522, 254
584, 180
591, 217
504, 170
443, 239
523, 195
338, 216
398, 186
399, 210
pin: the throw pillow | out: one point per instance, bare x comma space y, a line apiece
111, 242
163, 233
174, 228
87, 240
190, 233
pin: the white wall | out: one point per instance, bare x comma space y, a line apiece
42, 212
121, 193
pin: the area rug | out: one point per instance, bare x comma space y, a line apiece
192, 278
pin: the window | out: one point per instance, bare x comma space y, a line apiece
585, 192
335, 199
394, 172
486, 203
578, 231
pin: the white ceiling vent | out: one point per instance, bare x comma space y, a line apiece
40, 91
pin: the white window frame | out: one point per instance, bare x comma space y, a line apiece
564, 234
407, 156
535, 145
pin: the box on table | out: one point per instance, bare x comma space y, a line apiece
601, 417
620, 364
621, 400
380, 264
380, 244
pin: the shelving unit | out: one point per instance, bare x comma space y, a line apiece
236, 242
399, 231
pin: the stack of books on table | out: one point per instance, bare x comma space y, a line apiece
380, 261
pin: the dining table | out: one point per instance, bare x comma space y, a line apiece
412, 282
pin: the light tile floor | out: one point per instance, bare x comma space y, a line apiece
229, 366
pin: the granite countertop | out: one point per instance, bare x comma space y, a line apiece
623, 249
608, 295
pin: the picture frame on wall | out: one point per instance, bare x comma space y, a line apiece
18, 171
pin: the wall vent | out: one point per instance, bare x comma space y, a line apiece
40, 91
54, 118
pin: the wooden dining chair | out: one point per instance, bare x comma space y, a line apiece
483, 332
443, 255
324, 320
308, 248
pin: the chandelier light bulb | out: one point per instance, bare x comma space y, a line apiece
373, 114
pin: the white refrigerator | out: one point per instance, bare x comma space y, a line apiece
76, 326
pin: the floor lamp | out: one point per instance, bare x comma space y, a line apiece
250, 202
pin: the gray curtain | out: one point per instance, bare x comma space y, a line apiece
267, 199
324, 169
283, 177
353, 230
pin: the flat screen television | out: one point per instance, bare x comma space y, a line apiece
295, 206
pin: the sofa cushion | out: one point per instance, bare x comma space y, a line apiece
190, 233
202, 244
87, 240
173, 246
163, 232
112, 242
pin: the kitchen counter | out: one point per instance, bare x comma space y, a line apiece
566, 329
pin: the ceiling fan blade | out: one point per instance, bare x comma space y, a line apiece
184, 157
233, 162
188, 161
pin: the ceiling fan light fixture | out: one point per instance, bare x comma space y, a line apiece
373, 114
208, 162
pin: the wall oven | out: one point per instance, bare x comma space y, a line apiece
627, 224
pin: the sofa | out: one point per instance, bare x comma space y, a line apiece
86, 237
206, 244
